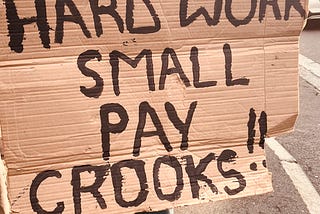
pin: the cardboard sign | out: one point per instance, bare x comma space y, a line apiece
127, 106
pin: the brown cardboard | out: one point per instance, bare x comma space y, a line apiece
53, 128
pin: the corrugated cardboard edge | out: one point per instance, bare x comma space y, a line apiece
4, 200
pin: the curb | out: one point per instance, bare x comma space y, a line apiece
309, 70
299, 179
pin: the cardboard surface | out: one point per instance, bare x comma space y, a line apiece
126, 106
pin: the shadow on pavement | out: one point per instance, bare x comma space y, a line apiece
313, 23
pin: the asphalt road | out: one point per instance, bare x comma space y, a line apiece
303, 144
310, 40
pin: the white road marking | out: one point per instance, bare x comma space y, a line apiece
300, 180
310, 71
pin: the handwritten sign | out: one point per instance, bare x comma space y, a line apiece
127, 106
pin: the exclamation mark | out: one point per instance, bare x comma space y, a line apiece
251, 130
263, 128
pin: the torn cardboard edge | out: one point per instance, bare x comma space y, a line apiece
4, 199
